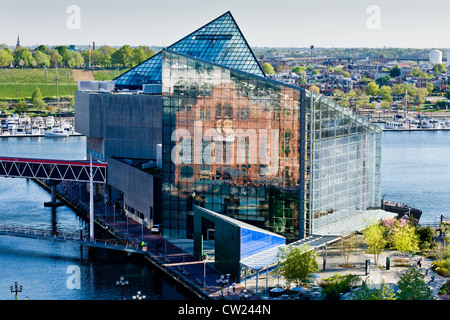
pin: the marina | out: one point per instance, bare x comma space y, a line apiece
23, 125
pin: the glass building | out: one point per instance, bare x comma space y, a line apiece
250, 148
256, 150
219, 41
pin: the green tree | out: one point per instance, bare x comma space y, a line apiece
385, 92
398, 89
6, 58
267, 68
55, 58
43, 49
22, 57
430, 87
298, 265
384, 292
439, 68
372, 89
123, 56
394, 72
20, 106
314, 89
42, 59
374, 238
383, 81
412, 286
36, 99
138, 56
404, 238
299, 70
4, 105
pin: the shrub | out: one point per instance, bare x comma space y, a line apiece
445, 289
441, 267
332, 287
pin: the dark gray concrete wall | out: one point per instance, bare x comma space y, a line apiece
129, 124
137, 186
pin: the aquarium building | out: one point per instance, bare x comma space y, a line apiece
234, 156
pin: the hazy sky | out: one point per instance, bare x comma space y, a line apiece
282, 23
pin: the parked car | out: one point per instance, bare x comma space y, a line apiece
156, 228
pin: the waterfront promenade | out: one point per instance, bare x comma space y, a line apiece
174, 257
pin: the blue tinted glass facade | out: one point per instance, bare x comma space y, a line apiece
253, 242
220, 41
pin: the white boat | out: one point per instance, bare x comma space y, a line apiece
12, 121
35, 130
39, 122
56, 132
67, 127
426, 124
395, 125
5, 130
20, 131
50, 122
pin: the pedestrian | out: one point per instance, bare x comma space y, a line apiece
419, 263
234, 287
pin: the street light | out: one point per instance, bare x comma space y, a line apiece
122, 284
16, 289
183, 258
139, 296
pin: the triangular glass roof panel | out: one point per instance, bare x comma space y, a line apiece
219, 41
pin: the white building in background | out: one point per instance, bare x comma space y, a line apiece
435, 57
448, 58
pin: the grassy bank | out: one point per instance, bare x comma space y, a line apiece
21, 83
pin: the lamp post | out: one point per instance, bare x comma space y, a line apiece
139, 296
16, 289
204, 272
114, 213
183, 258
122, 284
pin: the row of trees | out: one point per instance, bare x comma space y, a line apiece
61, 56
297, 265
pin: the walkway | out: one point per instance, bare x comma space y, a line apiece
199, 276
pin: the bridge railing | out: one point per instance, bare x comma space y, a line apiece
43, 233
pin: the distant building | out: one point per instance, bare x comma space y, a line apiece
435, 57
18, 42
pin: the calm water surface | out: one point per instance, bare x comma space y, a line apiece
415, 171
45, 268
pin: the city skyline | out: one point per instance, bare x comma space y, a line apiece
299, 24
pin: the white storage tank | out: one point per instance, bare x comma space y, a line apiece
435, 57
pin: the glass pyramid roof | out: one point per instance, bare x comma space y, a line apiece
219, 41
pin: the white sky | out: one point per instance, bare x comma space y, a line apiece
264, 23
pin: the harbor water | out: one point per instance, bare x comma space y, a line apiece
49, 270
415, 171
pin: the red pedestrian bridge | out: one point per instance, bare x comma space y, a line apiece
56, 170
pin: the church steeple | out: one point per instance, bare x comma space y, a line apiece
18, 42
